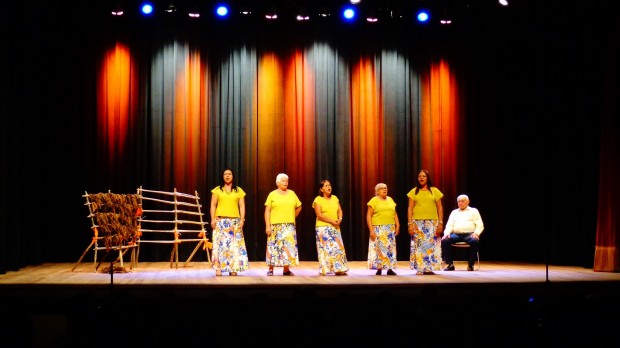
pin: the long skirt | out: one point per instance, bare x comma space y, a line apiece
382, 251
282, 246
330, 250
425, 247
229, 251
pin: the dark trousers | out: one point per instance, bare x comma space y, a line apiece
446, 247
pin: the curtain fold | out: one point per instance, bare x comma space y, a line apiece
304, 110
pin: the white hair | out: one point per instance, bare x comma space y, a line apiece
462, 196
280, 177
378, 185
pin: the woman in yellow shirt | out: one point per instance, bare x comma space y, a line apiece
329, 246
227, 220
281, 208
425, 225
383, 225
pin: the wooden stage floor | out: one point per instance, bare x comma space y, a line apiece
506, 304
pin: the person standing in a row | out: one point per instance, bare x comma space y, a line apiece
281, 208
227, 220
383, 226
425, 225
329, 246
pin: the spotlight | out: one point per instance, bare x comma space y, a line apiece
423, 16
348, 13
221, 10
302, 15
372, 16
272, 14
171, 8
245, 11
146, 8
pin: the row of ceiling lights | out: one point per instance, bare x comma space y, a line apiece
349, 12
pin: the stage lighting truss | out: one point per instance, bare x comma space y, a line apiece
439, 12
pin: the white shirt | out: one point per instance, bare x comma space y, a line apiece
466, 220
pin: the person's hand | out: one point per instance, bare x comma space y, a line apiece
439, 230
373, 236
268, 231
412, 229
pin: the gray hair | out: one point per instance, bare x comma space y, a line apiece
280, 177
378, 186
462, 196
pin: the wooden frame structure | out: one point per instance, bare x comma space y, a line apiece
178, 218
114, 222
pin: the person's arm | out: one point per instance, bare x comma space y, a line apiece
369, 214
411, 226
440, 217
478, 223
397, 223
212, 209
267, 219
339, 212
297, 210
449, 225
241, 212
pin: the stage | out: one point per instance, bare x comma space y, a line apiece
162, 303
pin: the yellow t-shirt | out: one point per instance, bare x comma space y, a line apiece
425, 207
228, 202
383, 210
282, 206
329, 207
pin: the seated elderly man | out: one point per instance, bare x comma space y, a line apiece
464, 225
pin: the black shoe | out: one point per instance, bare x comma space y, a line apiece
390, 272
378, 272
449, 268
470, 268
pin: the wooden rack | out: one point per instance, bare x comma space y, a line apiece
114, 222
173, 218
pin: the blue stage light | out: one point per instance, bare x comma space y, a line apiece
221, 10
146, 8
348, 13
423, 16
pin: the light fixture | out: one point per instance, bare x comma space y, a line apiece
221, 10
423, 16
146, 8
302, 15
348, 13
272, 13
171, 8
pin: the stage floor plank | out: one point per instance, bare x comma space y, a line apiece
200, 273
